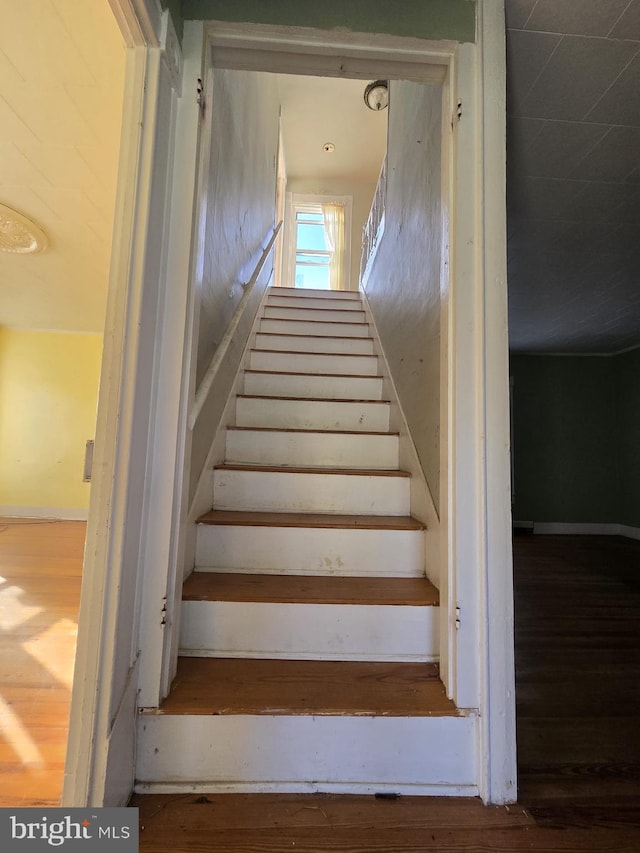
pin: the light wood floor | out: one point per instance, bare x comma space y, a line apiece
40, 573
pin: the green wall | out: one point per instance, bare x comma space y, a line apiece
576, 427
428, 19
628, 436
175, 9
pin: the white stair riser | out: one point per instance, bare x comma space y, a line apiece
305, 385
311, 293
337, 450
335, 363
437, 753
301, 343
322, 303
304, 327
312, 414
324, 315
309, 631
283, 491
311, 550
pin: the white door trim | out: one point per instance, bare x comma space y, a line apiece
328, 53
101, 748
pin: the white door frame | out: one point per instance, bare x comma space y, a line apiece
119, 573
137, 421
476, 570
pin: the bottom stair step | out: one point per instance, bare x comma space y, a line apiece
263, 726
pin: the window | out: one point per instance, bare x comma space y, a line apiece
313, 256
317, 250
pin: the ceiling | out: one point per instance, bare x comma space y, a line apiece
61, 91
573, 166
316, 110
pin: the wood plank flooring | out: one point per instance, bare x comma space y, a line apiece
578, 671
40, 575
578, 679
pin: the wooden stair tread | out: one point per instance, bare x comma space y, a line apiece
315, 337
315, 296
311, 519
306, 373
299, 589
205, 686
283, 469
310, 399
314, 354
309, 431
310, 319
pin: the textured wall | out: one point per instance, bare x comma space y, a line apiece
430, 19
48, 398
240, 215
404, 285
241, 196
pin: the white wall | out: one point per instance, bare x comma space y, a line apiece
240, 213
404, 285
241, 195
362, 194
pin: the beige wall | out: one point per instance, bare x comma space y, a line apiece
48, 399
404, 285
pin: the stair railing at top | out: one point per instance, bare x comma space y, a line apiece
207, 380
374, 228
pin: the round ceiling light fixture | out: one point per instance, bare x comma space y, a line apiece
376, 95
20, 235
328, 148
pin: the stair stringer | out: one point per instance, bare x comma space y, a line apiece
202, 500
422, 505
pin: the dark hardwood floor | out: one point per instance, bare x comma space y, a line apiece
578, 679
578, 668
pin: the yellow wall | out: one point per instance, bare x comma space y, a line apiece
48, 398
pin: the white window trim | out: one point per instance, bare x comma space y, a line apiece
296, 201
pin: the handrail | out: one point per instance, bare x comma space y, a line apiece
221, 349
374, 227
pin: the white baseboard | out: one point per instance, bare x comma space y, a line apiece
53, 512
628, 531
550, 528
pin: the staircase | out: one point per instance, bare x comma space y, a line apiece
309, 631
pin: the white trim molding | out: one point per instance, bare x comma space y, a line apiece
52, 513
139, 21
